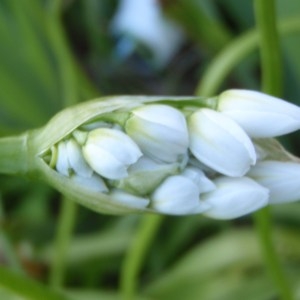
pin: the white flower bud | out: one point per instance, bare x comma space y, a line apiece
200, 180
62, 161
281, 178
110, 152
235, 197
76, 159
220, 143
160, 131
128, 200
145, 175
180, 194
94, 183
260, 115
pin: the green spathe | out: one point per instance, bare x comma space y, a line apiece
31, 153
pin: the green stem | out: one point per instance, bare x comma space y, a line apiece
271, 65
233, 54
13, 155
271, 83
70, 96
264, 230
8, 251
223, 63
66, 62
55, 7
65, 228
136, 254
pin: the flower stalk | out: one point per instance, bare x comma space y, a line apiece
14, 155
265, 13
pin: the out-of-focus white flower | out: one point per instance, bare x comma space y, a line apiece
110, 152
160, 131
220, 143
235, 197
260, 115
128, 200
180, 194
94, 183
281, 178
142, 21
145, 175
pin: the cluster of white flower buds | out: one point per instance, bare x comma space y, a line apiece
180, 160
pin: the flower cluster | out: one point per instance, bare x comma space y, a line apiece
172, 157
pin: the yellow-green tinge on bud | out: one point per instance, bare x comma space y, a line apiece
145, 175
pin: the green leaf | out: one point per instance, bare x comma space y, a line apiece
27, 288
222, 266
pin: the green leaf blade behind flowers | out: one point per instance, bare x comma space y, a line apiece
226, 266
29, 92
16, 284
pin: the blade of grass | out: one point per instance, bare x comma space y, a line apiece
237, 50
271, 67
136, 254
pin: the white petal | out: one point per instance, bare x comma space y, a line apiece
76, 159
220, 143
62, 163
94, 183
235, 197
104, 163
162, 114
281, 178
260, 115
160, 131
110, 152
177, 195
129, 200
200, 180
115, 142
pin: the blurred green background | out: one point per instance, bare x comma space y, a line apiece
56, 53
